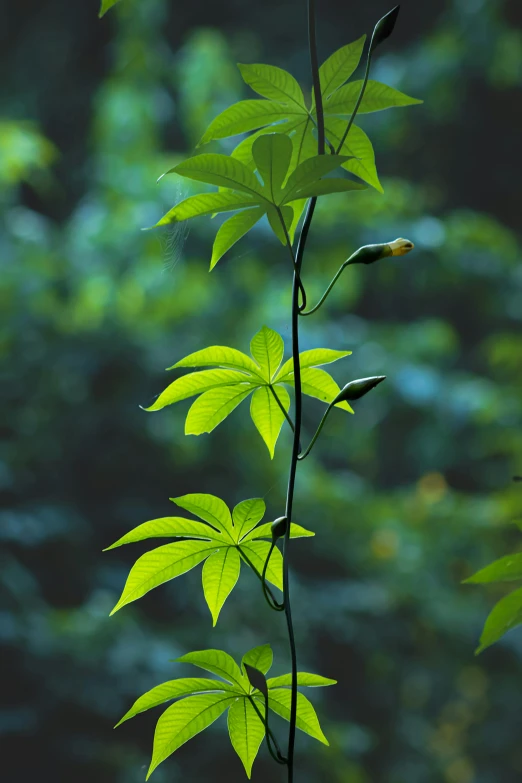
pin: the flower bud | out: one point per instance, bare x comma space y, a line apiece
357, 389
400, 246
368, 254
256, 678
279, 527
384, 28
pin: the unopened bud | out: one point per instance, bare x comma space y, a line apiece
357, 389
368, 254
384, 28
256, 678
279, 527
400, 246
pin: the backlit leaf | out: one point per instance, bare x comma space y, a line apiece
272, 153
273, 83
267, 415
265, 531
318, 383
208, 507
506, 569
106, 5
220, 574
218, 662
232, 230
246, 515
308, 172
358, 145
196, 383
168, 527
257, 552
246, 116
338, 68
325, 187
246, 730
303, 679
279, 701
220, 356
205, 204
504, 616
377, 97
259, 657
312, 358
214, 406
216, 169
267, 348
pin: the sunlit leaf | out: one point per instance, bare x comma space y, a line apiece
267, 348
205, 204
214, 406
338, 68
220, 355
312, 358
246, 116
246, 515
257, 552
106, 5
267, 414
309, 172
161, 565
279, 701
220, 574
357, 145
265, 531
273, 83
217, 662
377, 97
303, 679
318, 383
259, 657
216, 169
168, 527
208, 507
183, 720
272, 153
506, 569
246, 730
504, 616
196, 383
232, 230
175, 689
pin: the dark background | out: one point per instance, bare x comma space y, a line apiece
407, 498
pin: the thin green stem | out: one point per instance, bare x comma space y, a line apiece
269, 596
269, 736
317, 433
324, 296
283, 409
276, 606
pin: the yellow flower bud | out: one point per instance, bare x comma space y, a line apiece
400, 246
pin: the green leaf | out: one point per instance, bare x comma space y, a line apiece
506, 569
220, 663
279, 701
168, 527
272, 153
309, 172
232, 230
205, 204
246, 515
298, 207
267, 415
183, 720
208, 507
325, 187
312, 358
267, 348
197, 383
274, 218
243, 151
106, 5
338, 68
220, 574
504, 616
257, 552
304, 143
246, 730
213, 406
319, 384
303, 678
246, 116
260, 658
265, 531
273, 83
161, 565
222, 356
174, 689
216, 169
377, 97
357, 145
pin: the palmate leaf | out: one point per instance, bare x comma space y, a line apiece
246, 731
247, 375
210, 508
505, 615
206, 204
272, 154
220, 574
183, 720
273, 83
215, 169
257, 553
169, 527
359, 147
246, 515
201, 700
338, 68
309, 172
248, 115
232, 230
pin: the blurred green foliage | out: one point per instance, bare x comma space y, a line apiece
407, 498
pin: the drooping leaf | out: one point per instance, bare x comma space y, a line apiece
205, 204
303, 679
272, 153
319, 384
312, 358
504, 616
196, 383
246, 515
222, 356
175, 689
506, 569
217, 662
213, 406
246, 730
246, 116
260, 658
267, 415
183, 720
208, 507
267, 348
357, 145
279, 701
377, 97
216, 169
232, 230
169, 527
161, 565
338, 68
220, 574
309, 172
257, 553
265, 531
273, 83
